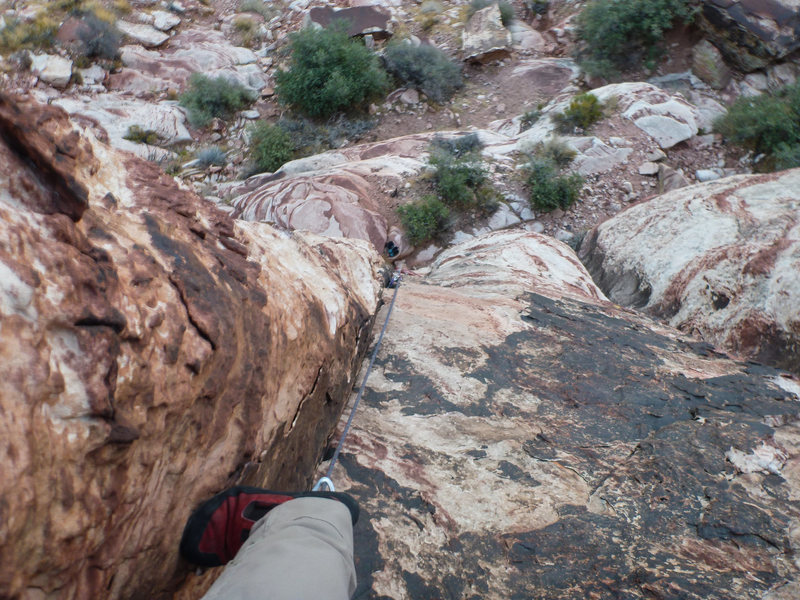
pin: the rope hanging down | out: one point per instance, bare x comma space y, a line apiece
326, 480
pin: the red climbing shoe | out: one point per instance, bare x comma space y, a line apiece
218, 528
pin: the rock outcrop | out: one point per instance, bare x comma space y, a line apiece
485, 38
720, 259
522, 437
752, 34
153, 352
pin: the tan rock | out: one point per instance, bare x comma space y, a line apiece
154, 352
718, 258
521, 437
485, 38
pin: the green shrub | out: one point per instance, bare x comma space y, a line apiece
463, 145
212, 155
247, 29
425, 68
787, 156
529, 118
456, 178
423, 220
583, 111
99, 38
39, 33
550, 190
257, 6
206, 99
618, 35
142, 136
329, 72
767, 125
310, 137
270, 147
506, 10
556, 151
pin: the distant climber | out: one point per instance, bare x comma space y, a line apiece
277, 545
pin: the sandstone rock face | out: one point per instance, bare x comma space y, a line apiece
154, 352
666, 118
521, 437
485, 38
112, 115
720, 259
190, 51
708, 65
337, 193
752, 33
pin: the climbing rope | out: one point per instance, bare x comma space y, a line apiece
326, 480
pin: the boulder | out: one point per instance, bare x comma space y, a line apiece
719, 259
708, 65
485, 38
668, 119
147, 36
164, 20
51, 68
154, 352
522, 437
751, 34
360, 20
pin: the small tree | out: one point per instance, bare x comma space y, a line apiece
329, 72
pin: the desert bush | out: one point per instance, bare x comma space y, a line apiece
247, 29
208, 98
620, 35
549, 189
270, 147
556, 151
767, 125
212, 156
423, 220
462, 145
506, 10
529, 118
257, 6
583, 111
425, 68
311, 137
142, 136
328, 73
38, 33
99, 38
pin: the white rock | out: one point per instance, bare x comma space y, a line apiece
52, 69
648, 168
503, 217
147, 36
410, 96
93, 75
164, 21
706, 174
250, 114
562, 235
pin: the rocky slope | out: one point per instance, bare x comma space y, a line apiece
154, 351
522, 437
720, 260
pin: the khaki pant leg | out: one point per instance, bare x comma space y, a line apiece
301, 550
